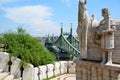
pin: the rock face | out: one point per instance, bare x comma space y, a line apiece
99, 46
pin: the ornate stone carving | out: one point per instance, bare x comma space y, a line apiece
86, 30
99, 45
82, 29
105, 31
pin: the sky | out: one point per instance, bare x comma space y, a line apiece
43, 17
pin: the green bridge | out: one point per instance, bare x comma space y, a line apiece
66, 41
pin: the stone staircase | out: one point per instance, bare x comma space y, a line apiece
7, 76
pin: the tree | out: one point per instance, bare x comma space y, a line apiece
26, 47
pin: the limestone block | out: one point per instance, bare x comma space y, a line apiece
79, 72
114, 74
118, 77
63, 67
71, 66
36, 75
57, 68
15, 67
1, 70
114, 78
116, 56
78, 78
94, 73
4, 58
28, 73
99, 70
3, 75
89, 72
94, 52
106, 74
50, 72
106, 77
84, 73
18, 79
43, 72
10, 77
117, 45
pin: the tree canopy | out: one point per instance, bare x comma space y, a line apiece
27, 48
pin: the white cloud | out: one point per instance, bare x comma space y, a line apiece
37, 17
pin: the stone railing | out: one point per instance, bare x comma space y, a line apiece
35, 73
94, 71
50, 70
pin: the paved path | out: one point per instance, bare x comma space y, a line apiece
66, 77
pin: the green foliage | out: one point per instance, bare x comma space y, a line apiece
72, 56
26, 47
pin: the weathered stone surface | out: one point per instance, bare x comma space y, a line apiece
99, 46
4, 58
50, 68
28, 73
43, 72
63, 67
36, 73
10, 77
1, 70
79, 72
89, 72
100, 73
94, 73
71, 67
57, 68
97, 71
84, 73
95, 47
15, 67
3, 75
106, 74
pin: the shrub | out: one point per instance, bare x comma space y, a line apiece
26, 47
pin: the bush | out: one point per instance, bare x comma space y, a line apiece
26, 47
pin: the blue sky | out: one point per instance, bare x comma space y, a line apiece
43, 17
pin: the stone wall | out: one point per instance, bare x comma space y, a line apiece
35, 73
50, 70
4, 58
116, 52
94, 71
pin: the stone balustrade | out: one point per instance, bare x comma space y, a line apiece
94, 71
35, 73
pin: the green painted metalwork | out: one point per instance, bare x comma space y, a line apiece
73, 40
69, 43
64, 43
